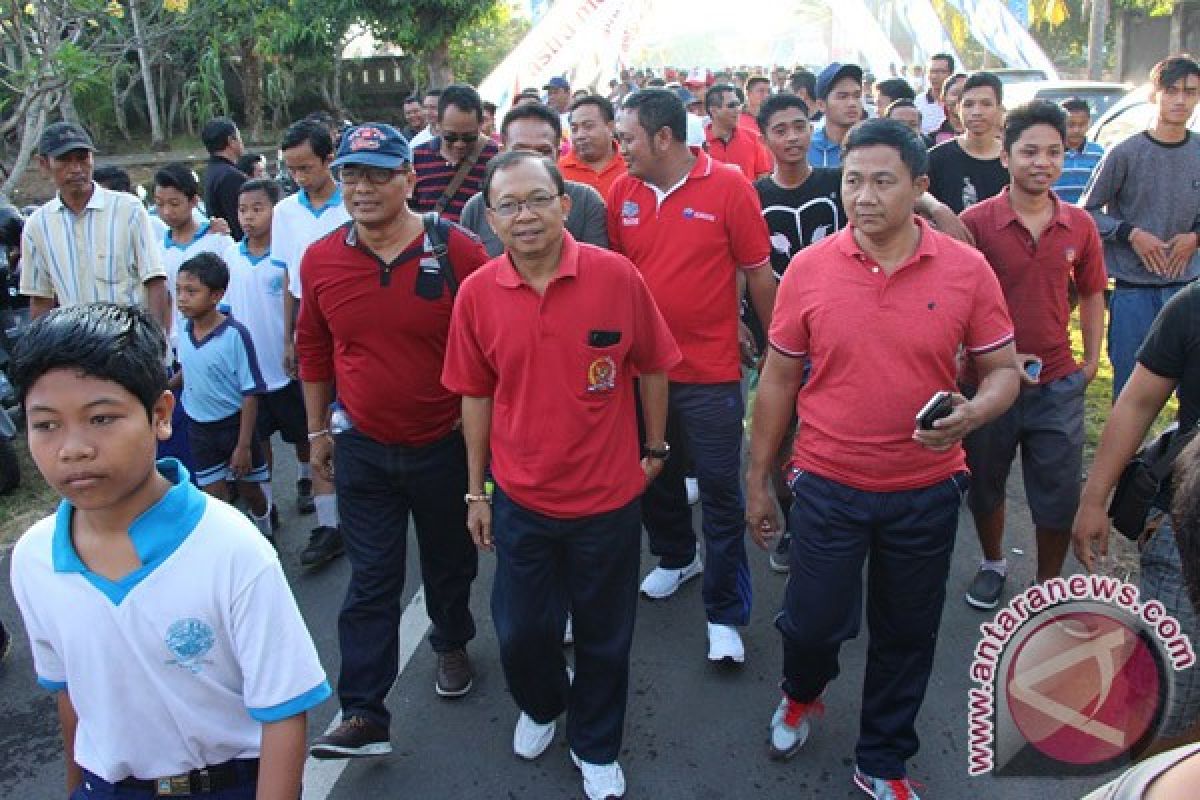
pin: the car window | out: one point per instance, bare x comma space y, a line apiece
1100, 100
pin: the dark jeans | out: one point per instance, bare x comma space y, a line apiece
542, 565
378, 486
707, 419
909, 537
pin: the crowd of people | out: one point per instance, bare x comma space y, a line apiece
526, 336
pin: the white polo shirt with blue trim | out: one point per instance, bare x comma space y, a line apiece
219, 371
297, 224
179, 664
174, 254
255, 298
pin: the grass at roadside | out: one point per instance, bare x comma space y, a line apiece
26, 504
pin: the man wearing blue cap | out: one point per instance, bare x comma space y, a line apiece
839, 97
377, 294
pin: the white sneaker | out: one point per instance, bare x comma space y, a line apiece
693, 490
661, 582
601, 781
530, 739
725, 644
569, 632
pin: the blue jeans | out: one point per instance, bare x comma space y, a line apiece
707, 418
909, 537
543, 565
378, 487
1131, 312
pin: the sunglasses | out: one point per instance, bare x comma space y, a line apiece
353, 174
452, 138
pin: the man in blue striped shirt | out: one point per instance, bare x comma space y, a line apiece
1082, 156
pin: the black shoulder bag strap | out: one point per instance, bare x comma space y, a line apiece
437, 231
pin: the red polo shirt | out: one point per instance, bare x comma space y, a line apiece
880, 347
575, 169
1034, 275
560, 368
382, 344
689, 244
744, 150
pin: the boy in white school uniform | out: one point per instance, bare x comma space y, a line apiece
156, 614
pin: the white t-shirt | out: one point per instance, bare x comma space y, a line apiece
173, 255
296, 225
178, 665
421, 137
933, 113
255, 299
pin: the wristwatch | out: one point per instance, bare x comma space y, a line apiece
482, 497
662, 454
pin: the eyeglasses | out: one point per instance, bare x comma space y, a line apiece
377, 176
535, 202
732, 104
469, 138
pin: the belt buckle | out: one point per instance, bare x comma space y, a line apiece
173, 786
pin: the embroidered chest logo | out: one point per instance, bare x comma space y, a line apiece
602, 375
190, 640
630, 211
275, 285
691, 213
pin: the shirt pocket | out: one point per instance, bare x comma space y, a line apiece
599, 362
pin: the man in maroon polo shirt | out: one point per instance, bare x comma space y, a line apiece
377, 297
459, 140
1037, 245
879, 310
545, 344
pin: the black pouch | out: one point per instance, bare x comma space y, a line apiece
1143, 478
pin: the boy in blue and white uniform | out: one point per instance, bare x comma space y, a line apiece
154, 613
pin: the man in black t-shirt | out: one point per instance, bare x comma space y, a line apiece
967, 168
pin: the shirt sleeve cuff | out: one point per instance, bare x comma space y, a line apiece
51, 686
1124, 231
297, 705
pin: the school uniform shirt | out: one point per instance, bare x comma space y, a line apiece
177, 665
1078, 166
933, 113
174, 254
297, 223
219, 371
255, 298
960, 180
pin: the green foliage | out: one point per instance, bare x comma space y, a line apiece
1151, 8
480, 47
204, 94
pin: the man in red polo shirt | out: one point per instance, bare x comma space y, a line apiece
1037, 245
690, 224
377, 297
729, 142
553, 334
593, 158
879, 310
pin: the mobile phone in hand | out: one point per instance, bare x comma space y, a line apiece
941, 405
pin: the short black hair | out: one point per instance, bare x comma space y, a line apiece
889, 133
432, 92
246, 162
903, 102
490, 107
178, 176
657, 109
532, 111
113, 178
462, 97
754, 80
1170, 71
776, 103
412, 98
896, 88
949, 59
511, 158
318, 136
979, 80
216, 134
108, 341
803, 79
270, 188
1075, 105
209, 268
1036, 112
716, 92
599, 101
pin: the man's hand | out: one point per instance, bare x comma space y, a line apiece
321, 456
950, 430
1180, 250
1090, 368
1089, 534
479, 524
218, 225
1151, 250
746, 345
764, 522
289, 359
652, 466
239, 462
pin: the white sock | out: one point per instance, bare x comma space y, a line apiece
303, 471
1000, 567
263, 523
266, 490
327, 516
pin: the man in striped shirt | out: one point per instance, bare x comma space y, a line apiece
460, 114
1081, 156
88, 244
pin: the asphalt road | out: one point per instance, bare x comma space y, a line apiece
693, 731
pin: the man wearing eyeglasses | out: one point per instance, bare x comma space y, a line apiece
726, 140
450, 167
544, 347
377, 297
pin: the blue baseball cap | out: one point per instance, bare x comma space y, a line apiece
557, 82
834, 73
373, 144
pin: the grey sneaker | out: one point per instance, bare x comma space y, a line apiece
985, 589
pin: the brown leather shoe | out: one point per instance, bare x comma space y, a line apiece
454, 674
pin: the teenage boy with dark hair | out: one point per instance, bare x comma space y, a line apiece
804, 85
136, 555
891, 90
1038, 247
1144, 199
967, 168
839, 96
221, 397
459, 148
222, 178
1082, 156
929, 102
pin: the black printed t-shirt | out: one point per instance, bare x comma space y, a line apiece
960, 180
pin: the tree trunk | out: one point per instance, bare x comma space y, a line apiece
66, 107
1095, 64
252, 90
338, 109
119, 96
157, 140
438, 60
35, 123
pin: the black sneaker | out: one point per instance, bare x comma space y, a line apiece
454, 674
985, 589
356, 737
779, 556
325, 544
304, 496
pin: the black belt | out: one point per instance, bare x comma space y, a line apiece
220, 777
1122, 284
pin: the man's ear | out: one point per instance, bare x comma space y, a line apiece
921, 184
160, 415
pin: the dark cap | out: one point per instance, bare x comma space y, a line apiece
63, 137
834, 73
373, 144
557, 82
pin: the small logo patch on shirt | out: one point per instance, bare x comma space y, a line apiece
602, 375
189, 640
630, 212
691, 213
